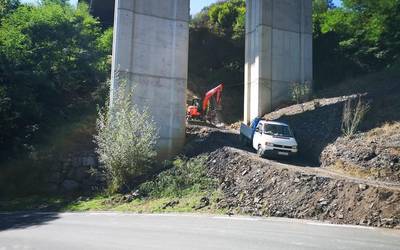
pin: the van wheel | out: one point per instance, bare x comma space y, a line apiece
260, 151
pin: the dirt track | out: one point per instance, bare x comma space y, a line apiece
291, 188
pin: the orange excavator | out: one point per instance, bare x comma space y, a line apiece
207, 111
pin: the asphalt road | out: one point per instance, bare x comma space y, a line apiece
132, 231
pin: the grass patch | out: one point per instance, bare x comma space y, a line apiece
189, 203
185, 177
193, 202
183, 188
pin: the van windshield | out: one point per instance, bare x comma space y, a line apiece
277, 130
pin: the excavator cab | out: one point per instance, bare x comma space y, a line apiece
194, 110
196, 102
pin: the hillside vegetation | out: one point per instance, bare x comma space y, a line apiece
55, 61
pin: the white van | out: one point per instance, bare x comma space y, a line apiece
270, 138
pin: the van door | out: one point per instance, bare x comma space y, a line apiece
257, 136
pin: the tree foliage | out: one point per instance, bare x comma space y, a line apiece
357, 37
7, 6
52, 58
228, 18
360, 36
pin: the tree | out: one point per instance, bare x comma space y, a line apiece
7, 6
59, 2
51, 61
228, 18
367, 31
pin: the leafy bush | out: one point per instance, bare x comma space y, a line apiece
300, 92
353, 115
7, 6
126, 141
184, 177
52, 59
228, 18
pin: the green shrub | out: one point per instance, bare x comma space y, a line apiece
126, 141
184, 177
300, 92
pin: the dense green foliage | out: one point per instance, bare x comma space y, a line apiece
53, 58
360, 36
7, 7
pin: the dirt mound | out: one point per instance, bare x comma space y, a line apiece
200, 140
316, 123
266, 188
373, 155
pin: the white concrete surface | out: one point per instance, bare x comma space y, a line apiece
278, 52
150, 51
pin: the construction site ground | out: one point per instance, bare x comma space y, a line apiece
293, 188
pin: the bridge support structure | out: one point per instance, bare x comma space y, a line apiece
150, 52
278, 52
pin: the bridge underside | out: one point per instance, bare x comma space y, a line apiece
151, 52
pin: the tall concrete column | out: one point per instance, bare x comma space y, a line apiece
278, 52
150, 51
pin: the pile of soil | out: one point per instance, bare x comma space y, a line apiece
373, 155
266, 188
207, 139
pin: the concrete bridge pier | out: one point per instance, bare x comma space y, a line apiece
278, 52
150, 51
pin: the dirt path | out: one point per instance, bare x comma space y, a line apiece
318, 171
229, 138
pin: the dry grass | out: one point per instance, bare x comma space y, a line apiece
356, 171
353, 114
387, 130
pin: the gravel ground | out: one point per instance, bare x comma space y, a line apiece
291, 188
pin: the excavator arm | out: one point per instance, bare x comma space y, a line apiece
215, 91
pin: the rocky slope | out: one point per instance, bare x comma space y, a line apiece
316, 123
282, 188
372, 155
266, 188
